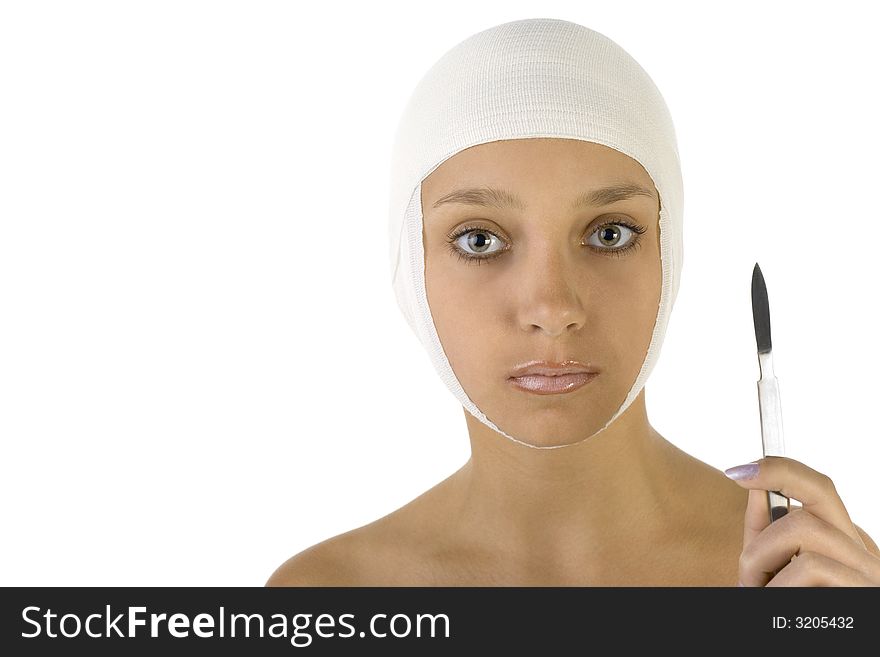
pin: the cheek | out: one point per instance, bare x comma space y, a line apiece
467, 318
458, 308
636, 314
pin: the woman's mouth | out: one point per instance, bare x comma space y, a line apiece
552, 385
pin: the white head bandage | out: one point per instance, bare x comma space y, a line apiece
530, 78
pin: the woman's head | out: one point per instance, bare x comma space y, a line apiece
542, 249
549, 112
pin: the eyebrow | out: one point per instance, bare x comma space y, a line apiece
503, 199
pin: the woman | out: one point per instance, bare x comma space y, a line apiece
536, 248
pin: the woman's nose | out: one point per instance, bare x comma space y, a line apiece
548, 296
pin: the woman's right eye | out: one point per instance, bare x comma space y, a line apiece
475, 245
478, 242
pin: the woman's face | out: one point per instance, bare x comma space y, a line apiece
548, 267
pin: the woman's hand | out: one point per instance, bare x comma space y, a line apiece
812, 545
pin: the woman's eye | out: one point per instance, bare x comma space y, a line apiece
476, 245
478, 242
612, 236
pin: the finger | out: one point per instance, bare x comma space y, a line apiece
793, 479
815, 569
757, 515
797, 532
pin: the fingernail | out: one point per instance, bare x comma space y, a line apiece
740, 584
739, 472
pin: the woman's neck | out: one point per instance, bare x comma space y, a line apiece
587, 500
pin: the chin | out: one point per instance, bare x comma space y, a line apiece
544, 432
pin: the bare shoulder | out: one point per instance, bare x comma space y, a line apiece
370, 555
332, 562
398, 549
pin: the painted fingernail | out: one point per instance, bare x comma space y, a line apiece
739, 472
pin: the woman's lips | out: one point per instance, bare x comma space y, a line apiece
552, 385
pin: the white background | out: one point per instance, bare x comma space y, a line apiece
203, 370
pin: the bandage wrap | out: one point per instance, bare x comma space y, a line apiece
529, 78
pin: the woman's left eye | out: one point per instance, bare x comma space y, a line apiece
616, 237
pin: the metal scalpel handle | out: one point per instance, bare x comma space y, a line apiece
771, 427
